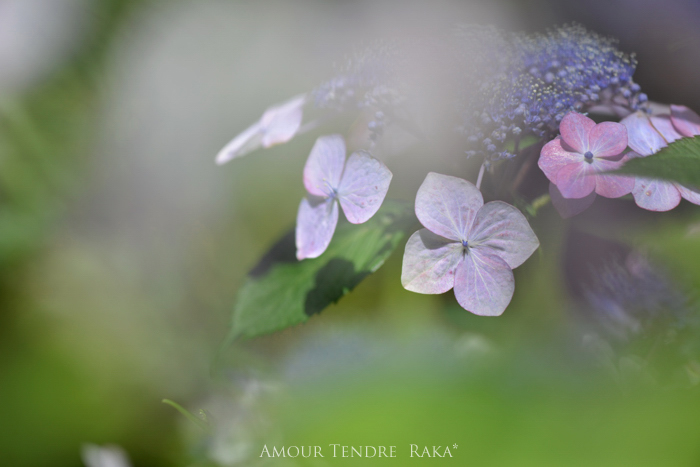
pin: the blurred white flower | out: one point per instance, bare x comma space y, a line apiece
277, 125
104, 456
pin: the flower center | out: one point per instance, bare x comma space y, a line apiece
332, 191
589, 156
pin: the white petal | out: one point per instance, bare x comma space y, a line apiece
429, 263
484, 283
655, 195
249, 140
363, 187
281, 123
447, 205
324, 167
316, 222
505, 230
278, 124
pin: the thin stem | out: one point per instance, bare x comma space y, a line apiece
520, 176
481, 176
537, 204
199, 422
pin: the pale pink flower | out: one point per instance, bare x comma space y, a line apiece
576, 161
466, 245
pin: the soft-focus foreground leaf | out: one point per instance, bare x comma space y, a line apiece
678, 162
281, 291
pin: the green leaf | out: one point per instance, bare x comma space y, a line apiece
678, 162
281, 291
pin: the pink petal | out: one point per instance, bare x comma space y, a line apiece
429, 263
574, 129
484, 283
553, 157
685, 120
324, 166
363, 187
642, 137
656, 195
447, 205
607, 139
613, 186
665, 127
282, 122
690, 194
575, 180
569, 207
316, 221
505, 230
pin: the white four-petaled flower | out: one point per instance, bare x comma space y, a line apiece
466, 245
359, 186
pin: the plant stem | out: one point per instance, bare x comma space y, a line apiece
480, 177
200, 423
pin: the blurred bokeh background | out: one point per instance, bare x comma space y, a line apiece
122, 247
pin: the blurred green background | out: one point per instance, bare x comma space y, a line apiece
122, 246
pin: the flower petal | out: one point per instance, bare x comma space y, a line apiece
429, 263
363, 186
665, 127
502, 228
569, 207
248, 140
447, 205
607, 139
613, 186
685, 120
655, 195
282, 122
553, 157
316, 221
642, 137
484, 283
575, 180
324, 166
689, 194
574, 129
278, 124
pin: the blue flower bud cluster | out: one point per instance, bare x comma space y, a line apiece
367, 80
510, 85
537, 79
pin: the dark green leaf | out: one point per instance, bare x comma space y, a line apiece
678, 162
281, 291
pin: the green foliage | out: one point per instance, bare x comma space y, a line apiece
678, 162
281, 291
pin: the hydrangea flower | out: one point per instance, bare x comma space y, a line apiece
575, 162
466, 245
359, 186
648, 135
277, 125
